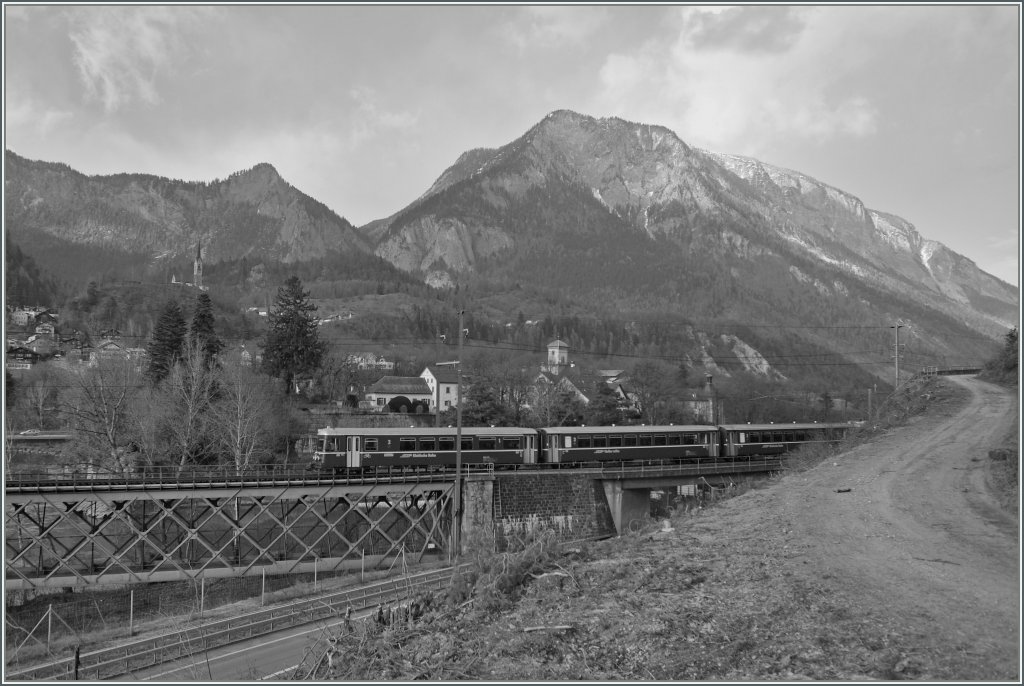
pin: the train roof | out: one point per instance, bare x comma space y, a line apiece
628, 429
785, 427
425, 431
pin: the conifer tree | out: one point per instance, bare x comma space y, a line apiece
605, 408
201, 333
292, 345
165, 347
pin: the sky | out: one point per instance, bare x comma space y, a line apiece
914, 109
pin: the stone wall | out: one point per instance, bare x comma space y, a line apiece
574, 506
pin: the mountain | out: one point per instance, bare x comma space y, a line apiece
628, 218
253, 213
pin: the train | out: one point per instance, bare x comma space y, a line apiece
347, 449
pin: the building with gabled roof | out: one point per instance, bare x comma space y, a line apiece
443, 381
399, 394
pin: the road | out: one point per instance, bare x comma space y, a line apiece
271, 656
918, 537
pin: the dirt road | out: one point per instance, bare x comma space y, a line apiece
918, 538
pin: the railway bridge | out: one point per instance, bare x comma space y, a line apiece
167, 525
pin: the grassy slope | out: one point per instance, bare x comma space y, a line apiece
723, 601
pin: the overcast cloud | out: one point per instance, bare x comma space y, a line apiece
914, 109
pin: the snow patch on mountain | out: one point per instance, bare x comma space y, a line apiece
823, 256
897, 233
799, 275
927, 250
761, 174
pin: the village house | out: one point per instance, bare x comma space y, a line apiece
398, 394
20, 358
46, 329
365, 361
443, 381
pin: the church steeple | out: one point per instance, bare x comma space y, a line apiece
197, 268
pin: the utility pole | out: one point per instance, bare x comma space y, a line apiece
899, 325
457, 502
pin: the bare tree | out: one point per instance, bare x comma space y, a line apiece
98, 406
190, 386
337, 372
652, 384
554, 405
151, 416
244, 418
38, 396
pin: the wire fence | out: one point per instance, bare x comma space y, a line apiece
43, 622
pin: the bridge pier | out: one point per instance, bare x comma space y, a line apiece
629, 505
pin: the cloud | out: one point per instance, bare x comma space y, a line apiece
25, 114
121, 52
735, 77
746, 29
553, 26
369, 119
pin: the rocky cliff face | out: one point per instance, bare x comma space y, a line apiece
652, 186
254, 212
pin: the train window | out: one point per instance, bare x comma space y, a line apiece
659, 439
427, 443
370, 444
600, 441
645, 439
675, 439
568, 441
510, 442
689, 439
800, 436
777, 437
788, 437
583, 441
743, 437
406, 443
487, 442
615, 441
629, 440
467, 442
446, 443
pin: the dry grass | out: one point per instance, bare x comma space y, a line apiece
719, 597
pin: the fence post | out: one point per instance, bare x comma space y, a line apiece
263, 591
131, 612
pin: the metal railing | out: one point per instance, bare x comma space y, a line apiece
174, 478
128, 657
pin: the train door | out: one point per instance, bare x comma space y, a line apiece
731, 441
712, 441
530, 449
354, 447
554, 449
